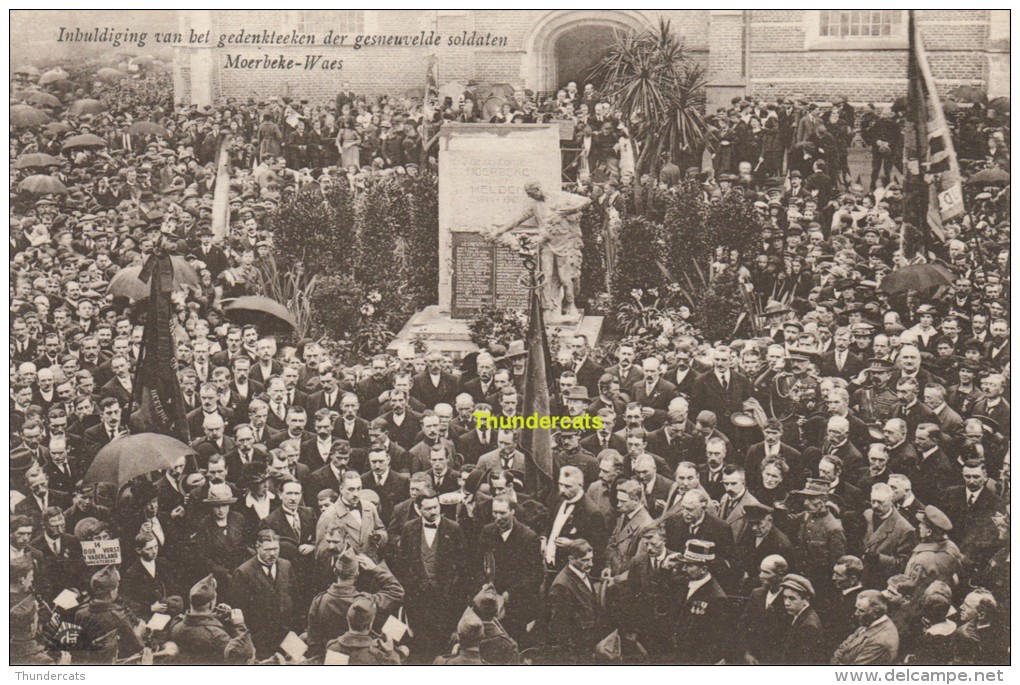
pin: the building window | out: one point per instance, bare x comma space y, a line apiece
844, 23
340, 21
855, 29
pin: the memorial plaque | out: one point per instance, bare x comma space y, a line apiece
511, 275
473, 274
483, 169
485, 275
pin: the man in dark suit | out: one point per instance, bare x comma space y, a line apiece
315, 450
329, 476
391, 486
511, 561
586, 370
149, 581
722, 390
838, 613
119, 385
214, 258
350, 426
433, 385
654, 394
624, 369
209, 405
264, 366
329, 395
971, 507
695, 522
841, 362
482, 386
244, 452
574, 619
761, 539
910, 408
61, 473
934, 473
261, 588
403, 424
764, 620
572, 516
432, 565
242, 386
604, 438
60, 564
109, 427
476, 441
400, 459
295, 526
773, 447
40, 497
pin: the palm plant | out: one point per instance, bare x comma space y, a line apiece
653, 79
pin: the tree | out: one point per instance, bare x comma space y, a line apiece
658, 85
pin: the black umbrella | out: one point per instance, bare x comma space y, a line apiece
131, 456
127, 283
916, 277
993, 176
265, 313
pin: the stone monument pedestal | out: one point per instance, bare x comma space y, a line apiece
439, 331
483, 169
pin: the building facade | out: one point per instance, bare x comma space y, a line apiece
861, 54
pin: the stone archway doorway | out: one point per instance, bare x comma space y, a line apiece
577, 51
564, 44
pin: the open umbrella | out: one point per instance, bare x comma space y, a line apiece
85, 140
131, 456
126, 282
52, 76
146, 128
86, 106
26, 116
37, 160
995, 176
110, 74
1000, 104
39, 98
55, 128
261, 311
61, 86
916, 277
968, 94
27, 70
40, 184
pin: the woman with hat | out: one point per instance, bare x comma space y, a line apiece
221, 535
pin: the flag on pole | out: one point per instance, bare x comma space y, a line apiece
157, 394
537, 443
930, 159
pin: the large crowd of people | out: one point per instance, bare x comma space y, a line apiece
834, 491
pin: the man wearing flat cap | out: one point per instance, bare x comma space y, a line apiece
209, 633
804, 640
935, 557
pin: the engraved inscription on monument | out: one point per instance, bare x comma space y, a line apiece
485, 275
482, 173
